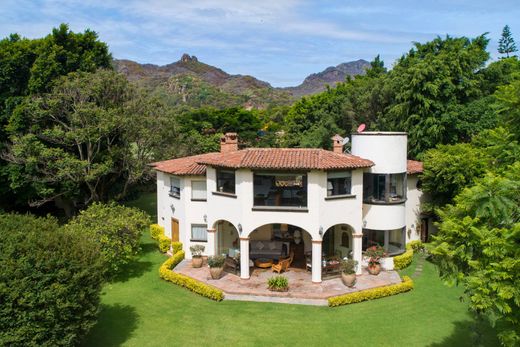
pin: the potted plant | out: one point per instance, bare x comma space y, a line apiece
196, 255
374, 254
348, 272
216, 266
278, 284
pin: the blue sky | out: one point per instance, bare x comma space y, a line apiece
279, 41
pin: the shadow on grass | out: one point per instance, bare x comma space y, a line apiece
114, 327
137, 267
467, 333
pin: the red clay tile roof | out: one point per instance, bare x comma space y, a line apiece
414, 167
184, 166
264, 158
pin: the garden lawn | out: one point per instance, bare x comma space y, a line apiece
140, 309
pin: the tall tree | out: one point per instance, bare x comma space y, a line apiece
506, 44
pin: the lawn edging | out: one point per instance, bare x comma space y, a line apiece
166, 273
370, 294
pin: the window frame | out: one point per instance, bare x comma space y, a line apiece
372, 182
386, 240
218, 179
174, 191
338, 175
205, 190
305, 188
192, 239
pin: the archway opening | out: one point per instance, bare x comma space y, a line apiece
277, 241
228, 239
337, 241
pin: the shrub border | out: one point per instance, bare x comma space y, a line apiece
370, 294
404, 260
166, 273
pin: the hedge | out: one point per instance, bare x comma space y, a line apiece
370, 294
164, 243
166, 273
403, 260
155, 231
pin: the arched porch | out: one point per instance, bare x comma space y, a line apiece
340, 241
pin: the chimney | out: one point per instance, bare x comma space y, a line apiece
229, 143
337, 144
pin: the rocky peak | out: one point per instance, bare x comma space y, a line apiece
187, 58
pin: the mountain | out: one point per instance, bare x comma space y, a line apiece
317, 82
193, 83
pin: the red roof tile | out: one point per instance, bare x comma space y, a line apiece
184, 166
414, 167
264, 158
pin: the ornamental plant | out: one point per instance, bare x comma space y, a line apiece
349, 266
196, 250
216, 261
278, 283
374, 254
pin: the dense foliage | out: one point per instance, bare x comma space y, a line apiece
115, 228
50, 282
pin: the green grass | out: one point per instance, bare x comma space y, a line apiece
142, 310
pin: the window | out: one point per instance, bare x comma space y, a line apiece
198, 190
226, 181
393, 241
339, 183
280, 189
175, 187
384, 188
199, 232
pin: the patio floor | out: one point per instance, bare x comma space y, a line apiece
301, 288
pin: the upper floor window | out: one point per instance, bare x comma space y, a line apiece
175, 187
226, 181
384, 188
280, 189
198, 190
339, 183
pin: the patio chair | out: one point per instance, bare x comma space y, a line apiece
232, 264
308, 261
283, 264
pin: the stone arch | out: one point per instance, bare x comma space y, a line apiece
338, 241
227, 238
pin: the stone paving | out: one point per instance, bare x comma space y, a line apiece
301, 287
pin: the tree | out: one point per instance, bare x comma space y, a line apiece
116, 229
477, 247
50, 282
86, 141
506, 44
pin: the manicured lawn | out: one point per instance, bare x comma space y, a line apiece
139, 309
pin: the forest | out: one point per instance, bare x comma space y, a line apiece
75, 135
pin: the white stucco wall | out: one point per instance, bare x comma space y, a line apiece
388, 150
413, 207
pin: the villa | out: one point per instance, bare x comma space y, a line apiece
267, 203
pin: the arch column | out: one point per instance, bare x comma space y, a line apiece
211, 243
316, 261
357, 240
244, 258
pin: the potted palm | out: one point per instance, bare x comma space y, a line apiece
374, 254
216, 266
348, 272
196, 255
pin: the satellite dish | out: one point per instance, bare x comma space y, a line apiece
361, 128
345, 141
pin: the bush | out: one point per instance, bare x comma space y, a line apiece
117, 229
349, 266
404, 260
416, 245
50, 282
164, 243
195, 286
278, 283
177, 246
370, 294
216, 261
155, 231
196, 250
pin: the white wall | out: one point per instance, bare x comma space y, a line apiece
413, 208
388, 150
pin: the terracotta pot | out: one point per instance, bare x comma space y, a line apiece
216, 272
196, 262
374, 269
348, 280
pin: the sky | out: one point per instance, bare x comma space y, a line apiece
278, 41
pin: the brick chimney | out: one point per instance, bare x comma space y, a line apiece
229, 143
337, 144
